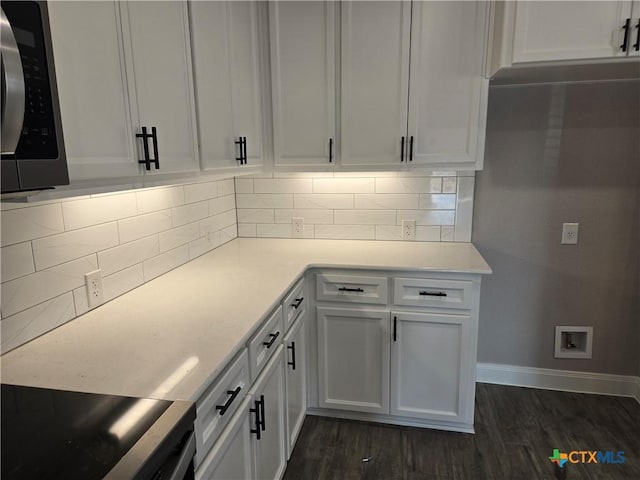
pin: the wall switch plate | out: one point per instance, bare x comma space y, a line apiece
297, 227
408, 229
570, 233
93, 282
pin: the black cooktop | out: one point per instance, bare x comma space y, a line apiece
69, 435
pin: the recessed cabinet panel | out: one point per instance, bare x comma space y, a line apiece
293, 304
353, 359
296, 379
351, 288
428, 292
265, 342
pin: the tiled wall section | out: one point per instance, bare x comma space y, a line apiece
365, 206
132, 237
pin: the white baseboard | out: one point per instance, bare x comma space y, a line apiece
565, 380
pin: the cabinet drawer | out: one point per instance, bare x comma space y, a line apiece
431, 292
211, 414
265, 342
293, 304
351, 288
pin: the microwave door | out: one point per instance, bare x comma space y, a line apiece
13, 92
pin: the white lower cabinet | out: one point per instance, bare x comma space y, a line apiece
296, 379
353, 359
429, 359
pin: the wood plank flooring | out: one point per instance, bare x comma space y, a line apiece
516, 431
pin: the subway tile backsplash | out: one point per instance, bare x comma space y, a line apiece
132, 236
365, 206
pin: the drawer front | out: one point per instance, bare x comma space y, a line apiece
218, 404
351, 289
293, 304
432, 292
265, 342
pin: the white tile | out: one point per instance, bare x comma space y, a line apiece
427, 217
388, 232
273, 230
429, 173
464, 209
264, 200
156, 266
365, 174
226, 187
308, 231
449, 184
244, 185
388, 201
301, 175
155, 199
344, 185
128, 254
229, 233
61, 248
35, 321
447, 234
24, 224
427, 234
93, 211
310, 215
144, 225
255, 215
24, 292
203, 245
365, 217
217, 222
351, 232
259, 175
122, 282
17, 261
197, 192
409, 185
247, 230
283, 185
323, 200
222, 204
438, 201
190, 213
80, 300
178, 236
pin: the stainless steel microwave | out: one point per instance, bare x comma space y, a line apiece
33, 154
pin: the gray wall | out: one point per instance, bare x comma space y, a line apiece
554, 154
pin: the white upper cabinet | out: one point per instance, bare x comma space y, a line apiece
374, 81
303, 82
448, 93
226, 67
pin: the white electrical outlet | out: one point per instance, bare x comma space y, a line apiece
93, 281
570, 233
408, 229
297, 227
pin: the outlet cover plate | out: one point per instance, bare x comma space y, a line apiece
408, 229
570, 233
297, 227
93, 282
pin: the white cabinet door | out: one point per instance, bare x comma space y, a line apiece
227, 81
353, 359
375, 80
160, 79
230, 458
430, 368
268, 397
634, 33
94, 100
448, 94
302, 81
296, 379
546, 31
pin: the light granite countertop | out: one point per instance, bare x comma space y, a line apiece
171, 337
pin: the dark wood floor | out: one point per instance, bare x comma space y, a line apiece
516, 431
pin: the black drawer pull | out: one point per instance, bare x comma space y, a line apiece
346, 289
434, 294
402, 149
395, 328
331, 150
234, 393
262, 415
626, 27
297, 303
636, 46
273, 336
258, 410
292, 347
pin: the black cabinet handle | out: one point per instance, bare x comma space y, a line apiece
273, 336
154, 137
626, 27
244, 154
240, 143
395, 328
257, 411
402, 149
434, 294
298, 302
636, 46
346, 289
223, 408
331, 150
411, 148
292, 347
262, 415
145, 148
